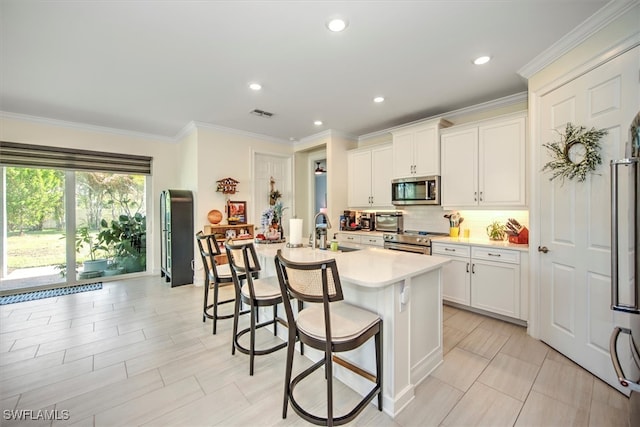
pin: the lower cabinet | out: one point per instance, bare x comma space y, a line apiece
483, 277
362, 238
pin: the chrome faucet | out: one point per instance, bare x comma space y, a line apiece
318, 234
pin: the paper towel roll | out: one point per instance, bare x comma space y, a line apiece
295, 231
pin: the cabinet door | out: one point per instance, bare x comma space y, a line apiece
381, 176
359, 178
427, 152
456, 281
348, 238
496, 287
459, 184
403, 154
372, 240
501, 164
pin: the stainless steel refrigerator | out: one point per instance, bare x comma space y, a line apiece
625, 270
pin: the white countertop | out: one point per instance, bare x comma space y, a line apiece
371, 267
481, 242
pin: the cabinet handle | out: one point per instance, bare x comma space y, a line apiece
473, 268
475, 196
490, 254
481, 196
450, 250
349, 238
467, 267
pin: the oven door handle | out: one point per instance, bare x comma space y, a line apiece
408, 248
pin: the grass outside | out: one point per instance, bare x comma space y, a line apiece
38, 249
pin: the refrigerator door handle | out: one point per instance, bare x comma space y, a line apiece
634, 386
634, 307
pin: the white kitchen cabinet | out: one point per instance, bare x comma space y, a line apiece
483, 164
456, 283
416, 149
485, 278
369, 177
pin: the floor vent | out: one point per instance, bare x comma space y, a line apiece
261, 113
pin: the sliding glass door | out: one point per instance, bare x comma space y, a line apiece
66, 227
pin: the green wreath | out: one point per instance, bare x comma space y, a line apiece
574, 137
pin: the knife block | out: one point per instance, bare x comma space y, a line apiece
522, 238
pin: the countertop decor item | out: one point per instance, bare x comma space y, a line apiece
496, 231
576, 154
214, 216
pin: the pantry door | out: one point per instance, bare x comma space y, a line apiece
266, 167
575, 318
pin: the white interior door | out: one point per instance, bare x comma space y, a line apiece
575, 216
265, 167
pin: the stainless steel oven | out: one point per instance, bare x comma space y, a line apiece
410, 241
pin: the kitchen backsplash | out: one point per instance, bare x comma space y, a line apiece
431, 218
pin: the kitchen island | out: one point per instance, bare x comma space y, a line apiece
405, 290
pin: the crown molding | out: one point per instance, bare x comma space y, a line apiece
607, 14
203, 125
477, 108
83, 126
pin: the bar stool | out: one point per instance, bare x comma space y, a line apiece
329, 325
215, 274
255, 293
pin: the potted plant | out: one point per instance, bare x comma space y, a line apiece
126, 237
95, 245
496, 231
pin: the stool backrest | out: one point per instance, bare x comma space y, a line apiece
209, 249
310, 281
244, 264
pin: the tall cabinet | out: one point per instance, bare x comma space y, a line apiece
177, 237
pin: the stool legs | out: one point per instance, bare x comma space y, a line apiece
206, 299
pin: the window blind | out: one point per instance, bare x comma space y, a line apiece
30, 155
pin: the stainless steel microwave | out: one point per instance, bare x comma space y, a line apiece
424, 190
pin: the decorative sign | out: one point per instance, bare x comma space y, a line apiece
227, 186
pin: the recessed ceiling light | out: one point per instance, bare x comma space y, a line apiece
255, 86
318, 123
378, 99
482, 60
336, 25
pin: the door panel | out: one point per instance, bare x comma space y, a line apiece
575, 218
563, 288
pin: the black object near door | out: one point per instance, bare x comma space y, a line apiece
176, 247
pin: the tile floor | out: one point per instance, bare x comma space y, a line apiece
137, 353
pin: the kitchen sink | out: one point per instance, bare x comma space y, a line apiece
347, 249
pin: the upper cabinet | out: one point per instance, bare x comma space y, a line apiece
483, 164
416, 149
369, 182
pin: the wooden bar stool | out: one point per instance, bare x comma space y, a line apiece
255, 293
329, 325
215, 274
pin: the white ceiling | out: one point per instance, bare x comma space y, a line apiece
155, 66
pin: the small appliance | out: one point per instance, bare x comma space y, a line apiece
351, 220
423, 190
389, 221
368, 221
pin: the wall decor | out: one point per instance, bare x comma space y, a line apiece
227, 186
274, 194
576, 154
236, 212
